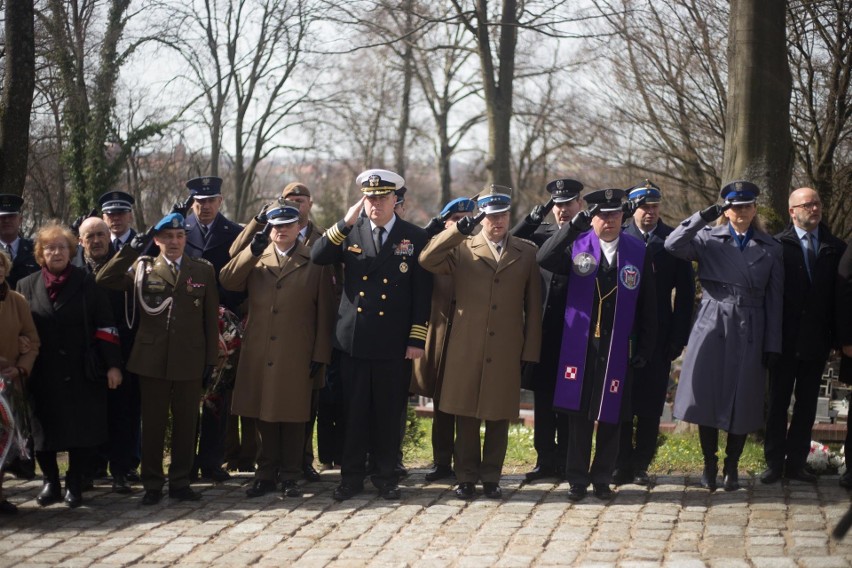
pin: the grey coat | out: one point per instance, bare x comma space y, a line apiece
739, 319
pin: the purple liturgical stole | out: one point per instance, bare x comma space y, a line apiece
585, 257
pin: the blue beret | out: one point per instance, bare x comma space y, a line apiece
458, 205
283, 215
564, 190
607, 199
740, 191
115, 201
204, 187
648, 189
170, 221
10, 204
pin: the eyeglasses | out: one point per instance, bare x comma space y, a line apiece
808, 205
55, 248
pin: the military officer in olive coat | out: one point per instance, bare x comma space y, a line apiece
496, 329
175, 350
381, 326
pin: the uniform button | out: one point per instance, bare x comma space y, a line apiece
494, 307
273, 338
360, 310
361, 294
496, 280
384, 297
490, 333
488, 360
364, 278
381, 313
274, 310
278, 286
269, 364
385, 280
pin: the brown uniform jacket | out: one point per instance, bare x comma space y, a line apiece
178, 343
427, 371
290, 323
496, 322
16, 319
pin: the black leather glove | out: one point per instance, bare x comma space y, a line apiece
207, 376
141, 240
715, 211
261, 216
466, 225
771, 360
582, 221
630, 206
539, 212
183, 206
435, 226
315, 368
637, 362
260, 240
75, 226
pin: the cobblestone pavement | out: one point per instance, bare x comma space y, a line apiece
673, 524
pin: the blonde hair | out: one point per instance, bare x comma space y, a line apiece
51, 230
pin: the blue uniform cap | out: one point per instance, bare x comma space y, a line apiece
496, 200
283, 215
115, 201
606, 199
458, 205
740, 191
648, 189
205, 187
564, 190
170, 221
10, 204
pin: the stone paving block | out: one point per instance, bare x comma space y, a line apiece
823, 562
772, 562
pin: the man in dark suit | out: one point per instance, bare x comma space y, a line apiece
610, 301
19, 249
381, 326
550, 436
176, 347
209, 235
117, 210
650, 383
811, 257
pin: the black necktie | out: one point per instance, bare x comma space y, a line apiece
204, 230
647, 236
117, 244
8, 249
812, 259
377, 238
499, 249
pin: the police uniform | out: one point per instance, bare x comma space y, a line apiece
177, 341
671, 275
22, 250
119, 202
596, 347
550, 436
384, 310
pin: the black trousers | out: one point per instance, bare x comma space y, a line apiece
550, 436
241, 442
211, 433
443, 436
709, 440
374, 393
789, 447
331, 415
580, 469
637, 455
79, 463
122, 452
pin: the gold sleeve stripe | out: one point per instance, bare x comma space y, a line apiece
418, 332
334, 235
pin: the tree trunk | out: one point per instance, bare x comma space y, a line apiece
17, 101
758, 144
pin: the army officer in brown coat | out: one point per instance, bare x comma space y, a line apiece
288, 339
496, 329
175, 350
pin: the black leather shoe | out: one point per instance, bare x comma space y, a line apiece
184, 494
622, 476
439, 472
466, 490
152, 497
641, 478
216, 474
7, 508
492, 490
732, 479
133, 476
578, 492
801, 474
246, 467
770, 475
310, 474
290, 488
120, 485
602, 491
345, 491
51, 492
708, 476
540, 472
390, 492
73, 498
260, 487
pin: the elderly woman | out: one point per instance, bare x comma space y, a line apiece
288, 338
17, 330
72, 316
737, 329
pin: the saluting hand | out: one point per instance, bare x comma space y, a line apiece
260, 240
261, 216
466, 225
630, 206
141, 240
183, 206
582, 221
715, 211
354, 212
539, 212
